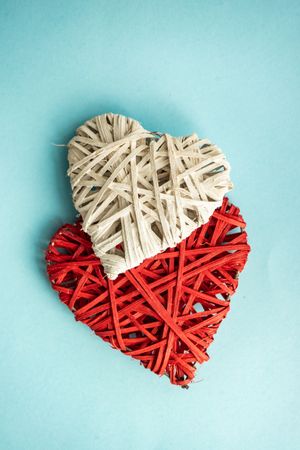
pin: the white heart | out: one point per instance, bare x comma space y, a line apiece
140, 192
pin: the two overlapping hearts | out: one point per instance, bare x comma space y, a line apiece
154, 259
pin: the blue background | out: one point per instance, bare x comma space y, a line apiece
228, 70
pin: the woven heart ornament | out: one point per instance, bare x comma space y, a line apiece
164, 312
140, 192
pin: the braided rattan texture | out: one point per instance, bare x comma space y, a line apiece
143, 190
165, 312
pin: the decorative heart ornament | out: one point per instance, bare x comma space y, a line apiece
140, 192
166, 311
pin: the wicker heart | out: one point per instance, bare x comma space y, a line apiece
166, 311
143, 190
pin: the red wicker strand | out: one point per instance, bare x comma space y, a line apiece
166, 311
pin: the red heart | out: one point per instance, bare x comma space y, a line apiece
164, 312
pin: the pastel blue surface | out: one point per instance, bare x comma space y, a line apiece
228, 70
